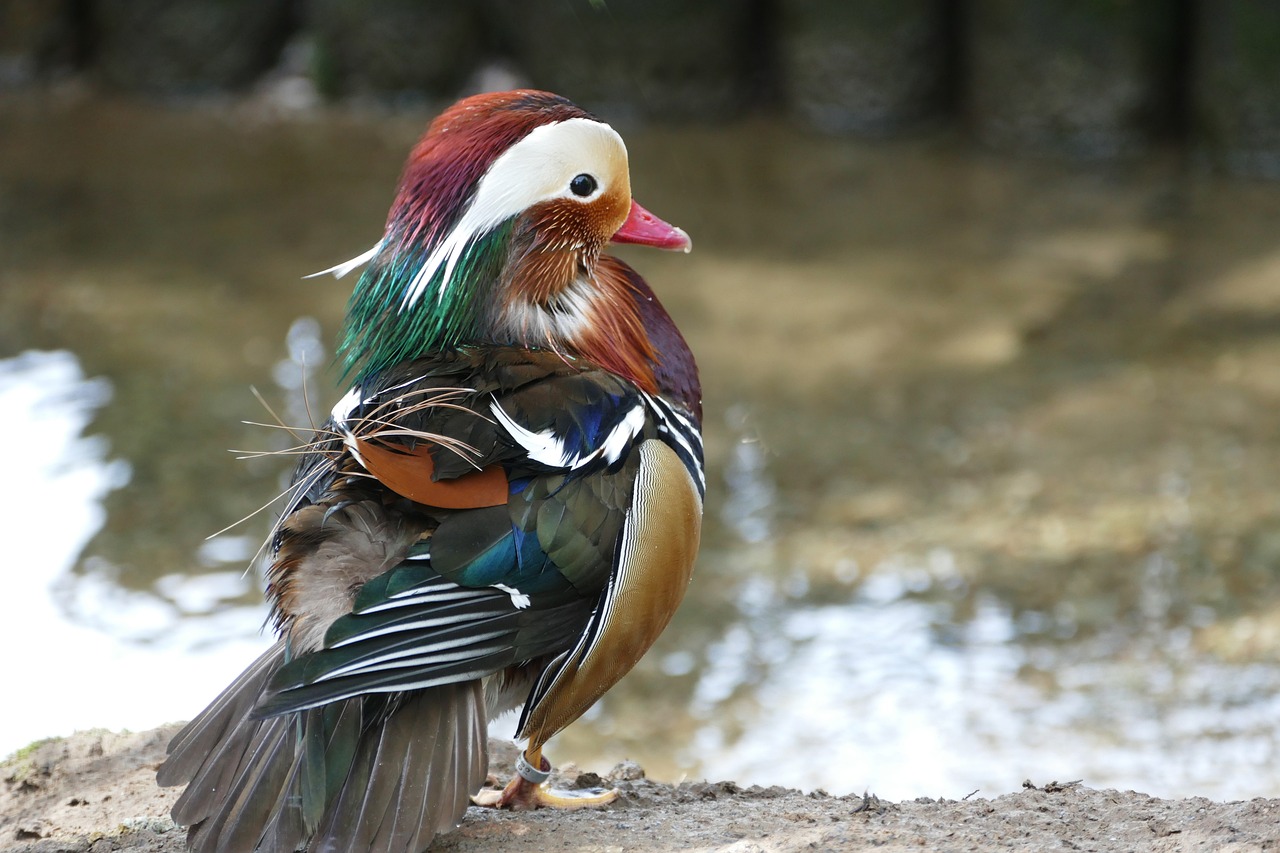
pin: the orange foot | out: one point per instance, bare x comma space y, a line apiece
528, 790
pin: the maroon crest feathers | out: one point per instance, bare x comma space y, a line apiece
457, 149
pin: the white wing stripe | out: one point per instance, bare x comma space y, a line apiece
419, 655
682, 431
548, 448
416, 624
344, 407
423, 598
394, 687
626, 557
621, 436
544, 447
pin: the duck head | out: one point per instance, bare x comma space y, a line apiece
497, 237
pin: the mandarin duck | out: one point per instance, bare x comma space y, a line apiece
504, 508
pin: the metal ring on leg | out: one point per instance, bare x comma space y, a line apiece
529, 773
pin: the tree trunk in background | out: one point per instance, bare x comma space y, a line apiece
396, 46
866, 67
1088, 79
644, 58
1236, 86
168, 47
1084, 79
38, 39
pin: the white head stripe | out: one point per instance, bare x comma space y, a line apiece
537, 168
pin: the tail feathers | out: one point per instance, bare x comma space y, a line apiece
384, 774
220, 727
412, 777
244, 809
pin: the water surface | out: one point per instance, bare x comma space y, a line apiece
992, 444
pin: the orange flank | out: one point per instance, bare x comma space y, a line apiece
409, 473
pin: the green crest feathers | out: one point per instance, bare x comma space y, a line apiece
380, 330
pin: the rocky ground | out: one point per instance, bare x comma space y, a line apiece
96, 792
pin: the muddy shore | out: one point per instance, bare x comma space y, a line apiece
96, 792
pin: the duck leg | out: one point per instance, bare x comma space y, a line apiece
528, 789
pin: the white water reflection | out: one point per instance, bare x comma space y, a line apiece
293, 375
100, 655
890, 693
751, 497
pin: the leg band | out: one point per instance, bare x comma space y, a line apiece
528, 773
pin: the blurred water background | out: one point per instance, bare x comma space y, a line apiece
992, 440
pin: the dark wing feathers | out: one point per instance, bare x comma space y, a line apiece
411, 643
375, 739
476, 548
578, 523
503, 585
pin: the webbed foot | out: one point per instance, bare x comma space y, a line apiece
528, 790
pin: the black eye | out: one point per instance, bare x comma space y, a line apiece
582, 185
